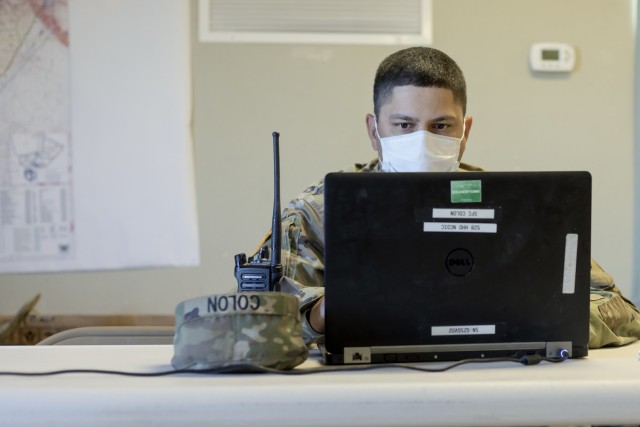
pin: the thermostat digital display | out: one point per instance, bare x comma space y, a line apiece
552, 57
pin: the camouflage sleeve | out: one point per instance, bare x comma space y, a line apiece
307, 297
614, 320
303, 252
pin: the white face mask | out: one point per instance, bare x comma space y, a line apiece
420, 151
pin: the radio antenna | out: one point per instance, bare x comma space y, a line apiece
276, 229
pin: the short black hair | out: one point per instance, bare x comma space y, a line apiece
418, 66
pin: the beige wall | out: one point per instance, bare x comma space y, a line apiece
636, 240
317, 96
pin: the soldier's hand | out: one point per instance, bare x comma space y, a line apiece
316, 317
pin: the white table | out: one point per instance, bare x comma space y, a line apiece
601, 389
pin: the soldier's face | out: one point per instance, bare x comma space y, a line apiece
413, 108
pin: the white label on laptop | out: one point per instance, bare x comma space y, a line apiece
463, 330
570, 256
464, 213
457, 227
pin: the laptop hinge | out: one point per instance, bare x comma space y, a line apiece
447, 348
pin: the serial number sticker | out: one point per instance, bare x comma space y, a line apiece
464, 213
463, 330
459, 227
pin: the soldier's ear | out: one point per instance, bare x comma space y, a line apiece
370, 122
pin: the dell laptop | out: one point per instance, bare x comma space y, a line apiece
448, 266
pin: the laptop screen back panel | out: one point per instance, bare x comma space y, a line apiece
411, 261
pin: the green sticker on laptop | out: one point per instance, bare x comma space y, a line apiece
466, 191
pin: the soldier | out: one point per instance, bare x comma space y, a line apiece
419, 98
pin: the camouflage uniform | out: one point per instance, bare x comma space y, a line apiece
613, 319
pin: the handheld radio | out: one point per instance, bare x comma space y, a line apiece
258, 273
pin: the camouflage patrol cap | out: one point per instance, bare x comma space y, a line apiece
258, 328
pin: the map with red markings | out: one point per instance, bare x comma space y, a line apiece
36, 193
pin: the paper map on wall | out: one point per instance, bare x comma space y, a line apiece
36, 191
96, 162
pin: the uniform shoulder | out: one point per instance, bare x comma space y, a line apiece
466, 167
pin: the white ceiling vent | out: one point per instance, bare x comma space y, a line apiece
316, 21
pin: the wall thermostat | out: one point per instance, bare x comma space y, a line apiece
552, 57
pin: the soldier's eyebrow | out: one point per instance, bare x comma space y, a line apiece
403, 117
445, 118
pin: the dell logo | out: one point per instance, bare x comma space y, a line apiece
459, 262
